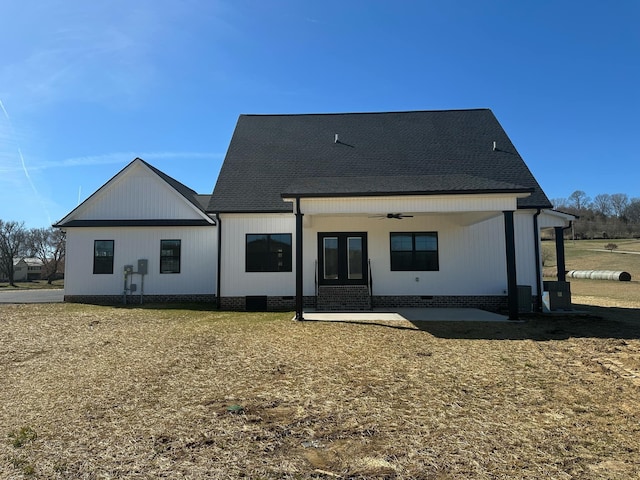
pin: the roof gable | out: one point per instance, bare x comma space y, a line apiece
397, 153
140, 193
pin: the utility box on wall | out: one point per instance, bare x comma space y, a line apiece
559, 295
525, 300
142, 266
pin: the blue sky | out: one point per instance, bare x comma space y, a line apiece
85, 87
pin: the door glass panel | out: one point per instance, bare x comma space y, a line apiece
330, 258
354, 258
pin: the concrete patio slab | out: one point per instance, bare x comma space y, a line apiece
408, 314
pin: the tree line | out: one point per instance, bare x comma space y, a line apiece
45, 244
603, 216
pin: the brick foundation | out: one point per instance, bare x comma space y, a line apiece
343, 298
287, 303
135, 299
274, 303
490, 303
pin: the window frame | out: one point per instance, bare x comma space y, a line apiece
415, 262
99, 266
171, 257
269, 263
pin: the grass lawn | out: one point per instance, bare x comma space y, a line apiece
590, 255
101, 392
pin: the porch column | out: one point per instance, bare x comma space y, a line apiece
299, 293
560, 254
512, 287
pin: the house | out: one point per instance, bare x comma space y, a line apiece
326, 211
26, 269
148, 225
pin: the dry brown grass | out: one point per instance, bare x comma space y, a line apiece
97, 392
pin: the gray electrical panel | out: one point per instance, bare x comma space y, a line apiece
142, 266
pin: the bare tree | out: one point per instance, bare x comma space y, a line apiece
602, 204
12, 245
619, 202
560, 203
632, 211
47, 245
579, 200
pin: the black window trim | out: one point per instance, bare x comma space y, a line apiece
179, 256
288, 263
113, 254
415, 268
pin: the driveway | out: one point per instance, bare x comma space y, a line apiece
32, 296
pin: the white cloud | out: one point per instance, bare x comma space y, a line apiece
106, 159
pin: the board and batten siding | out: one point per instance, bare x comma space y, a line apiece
236, 281
198, 261
472, 258
137, 194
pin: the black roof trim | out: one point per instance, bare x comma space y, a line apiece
402, 194
137, 223
284, 209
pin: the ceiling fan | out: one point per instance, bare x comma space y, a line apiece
397, 216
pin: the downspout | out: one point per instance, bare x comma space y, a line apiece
536, 243
219, 269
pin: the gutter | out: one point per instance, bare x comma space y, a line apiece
536, 243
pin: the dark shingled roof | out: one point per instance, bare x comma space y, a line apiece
197, 199
396, 153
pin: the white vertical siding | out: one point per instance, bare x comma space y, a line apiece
472, 258
137, 194
235, 280
525, 249
198, 260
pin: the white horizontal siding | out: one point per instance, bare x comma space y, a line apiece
197, 263
235, 280
137, 194
549, 219
406, 204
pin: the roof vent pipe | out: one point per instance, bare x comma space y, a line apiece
336, 140
494, 146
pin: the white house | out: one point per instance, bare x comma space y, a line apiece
326, 211
149, 225
26, 269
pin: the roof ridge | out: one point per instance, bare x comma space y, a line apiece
361, 113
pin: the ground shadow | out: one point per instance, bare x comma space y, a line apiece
593, 322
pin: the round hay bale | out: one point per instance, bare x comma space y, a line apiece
600, 275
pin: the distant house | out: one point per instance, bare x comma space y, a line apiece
326, 211
27, 269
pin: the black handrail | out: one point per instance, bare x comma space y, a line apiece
316, 278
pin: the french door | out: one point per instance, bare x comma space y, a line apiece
342, 258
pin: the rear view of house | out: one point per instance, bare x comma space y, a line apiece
329, 211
